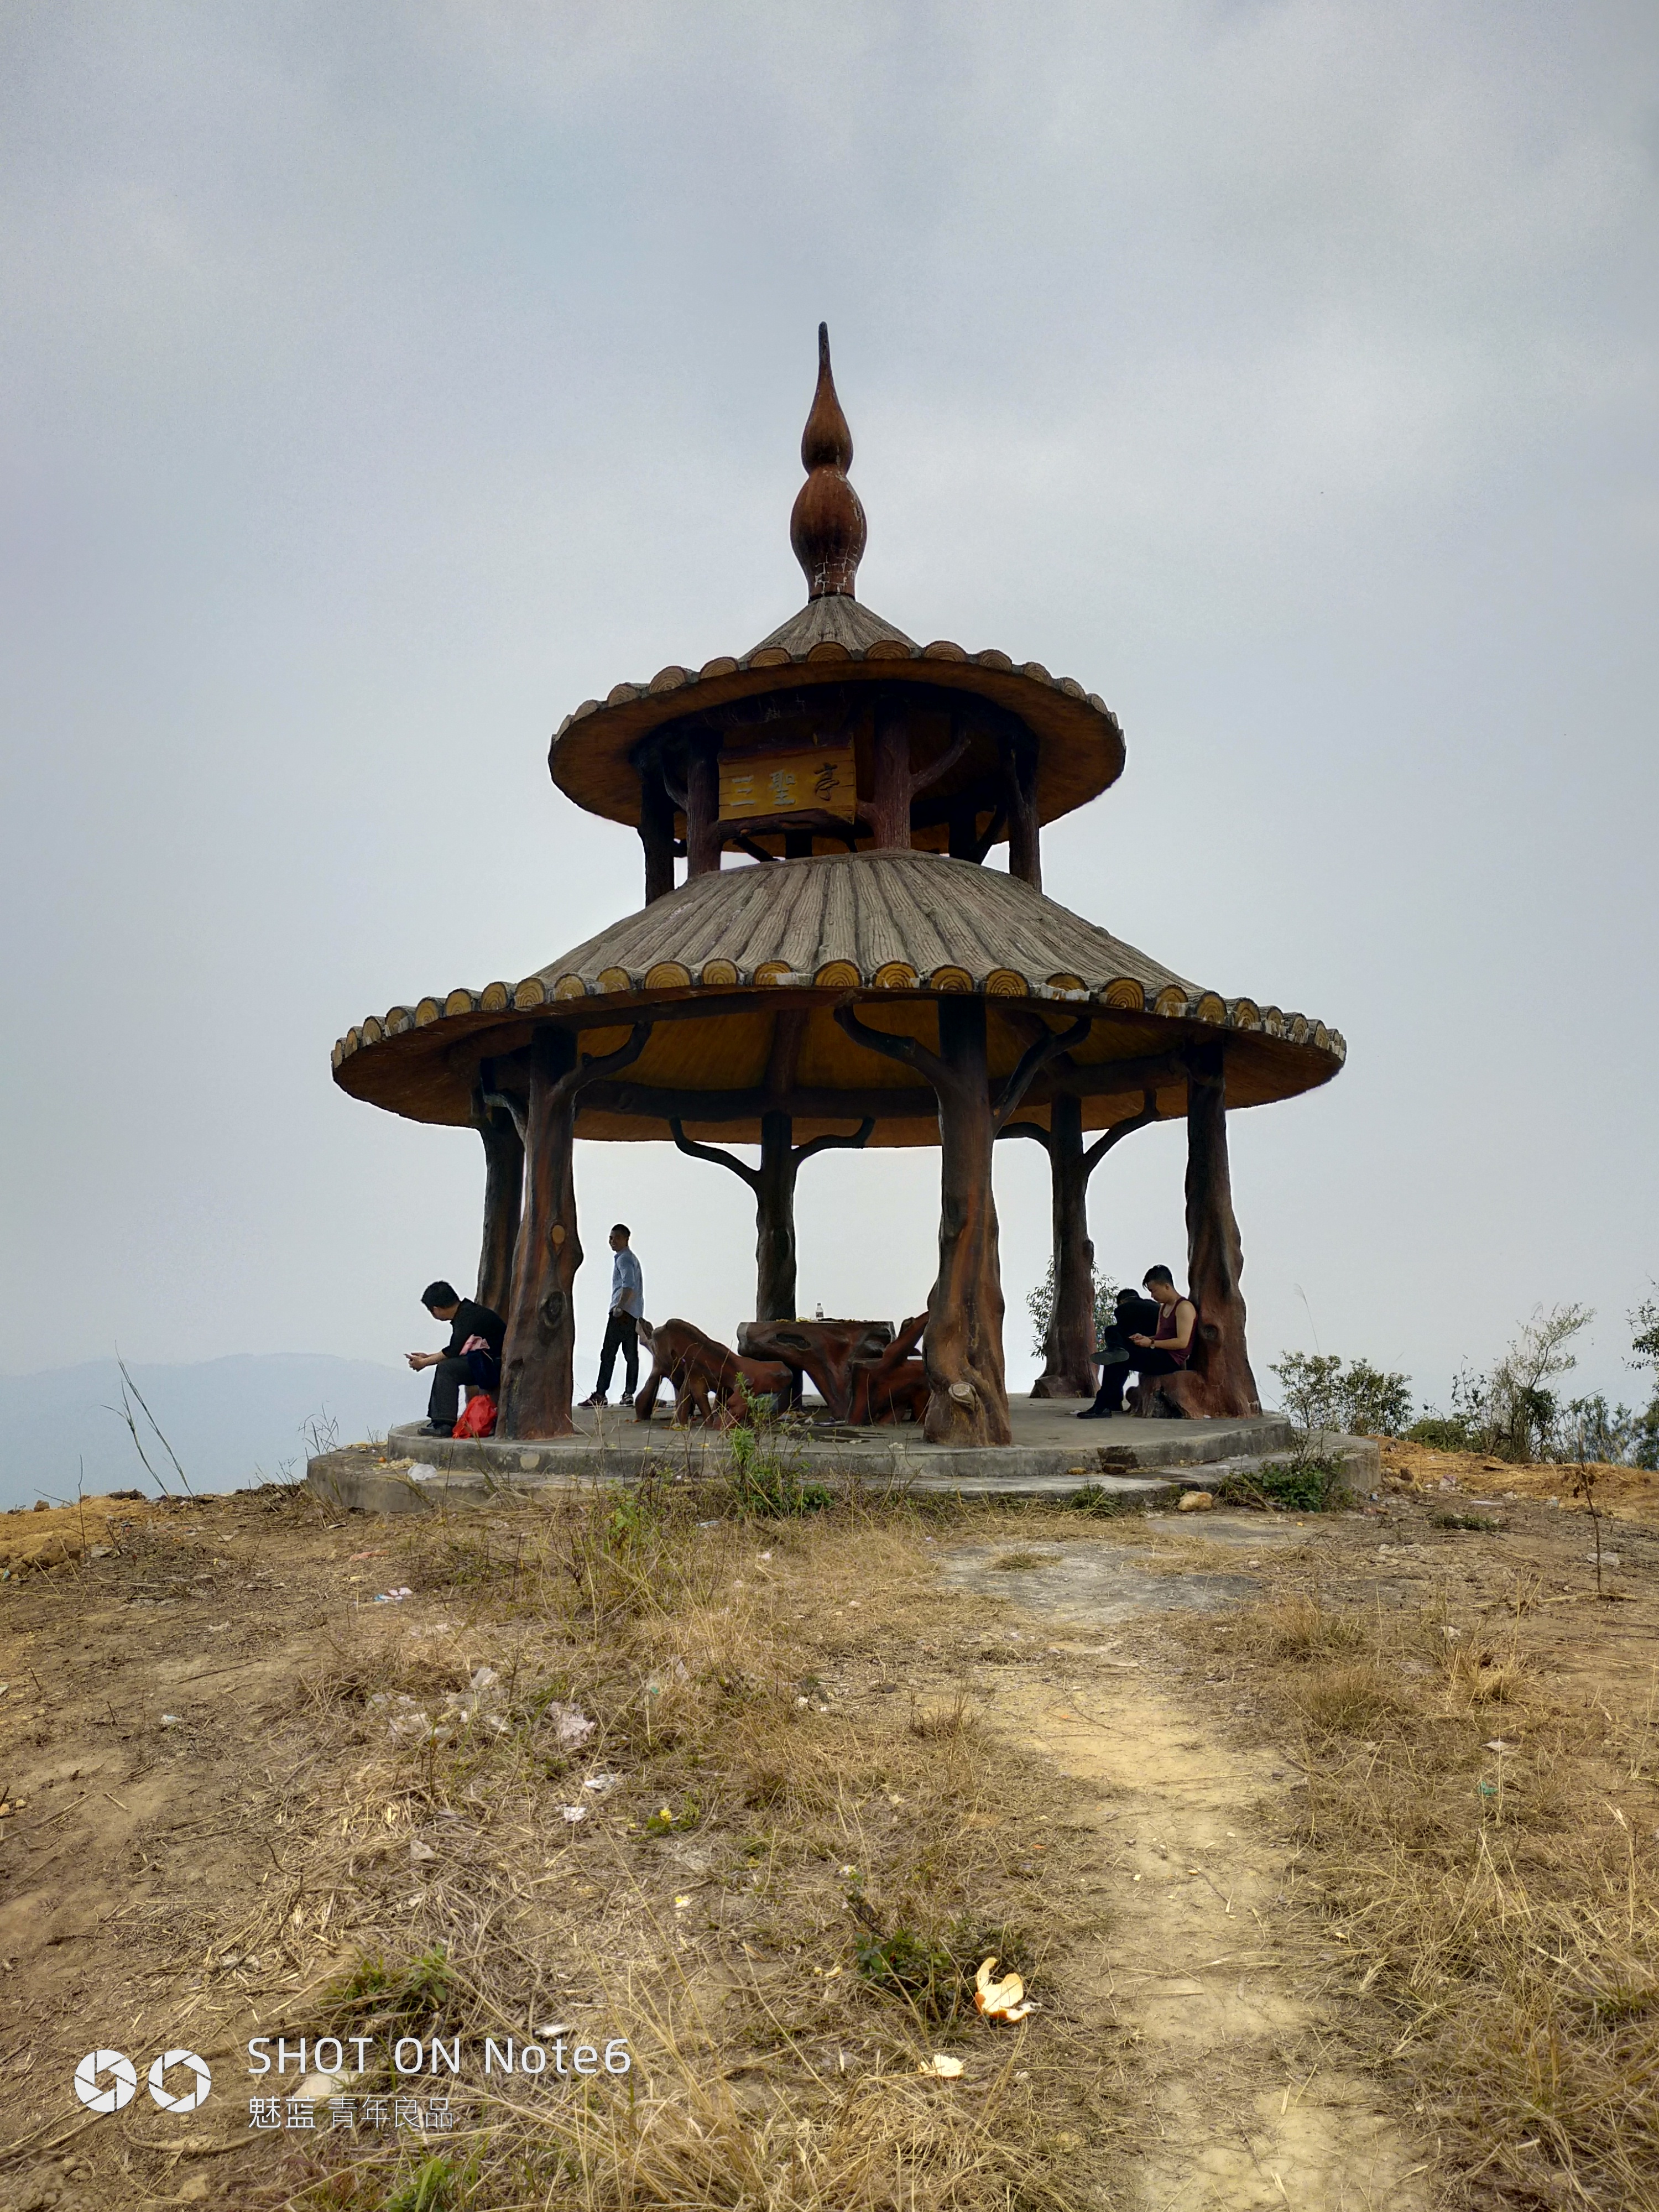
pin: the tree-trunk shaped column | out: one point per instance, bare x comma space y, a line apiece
1025, 842
656, 830
961, 1349
1068, 1366
773, 1185
504, 1197
538, 1358
1215, 1256
896, 781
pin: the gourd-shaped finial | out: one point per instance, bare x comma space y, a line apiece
826, 526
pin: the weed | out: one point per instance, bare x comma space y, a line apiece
1108, 1504
765, 1479
1475, 1521
1311, 1486
1014, 1562
435, 2185
409, 1994
1347, 1701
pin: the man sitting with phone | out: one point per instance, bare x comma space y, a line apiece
472, 1356
1164, 1351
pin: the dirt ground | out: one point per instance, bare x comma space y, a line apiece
756, 1795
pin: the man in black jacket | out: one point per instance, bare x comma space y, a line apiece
456, 1365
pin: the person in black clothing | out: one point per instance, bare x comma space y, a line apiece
1151, 1335
456, 1365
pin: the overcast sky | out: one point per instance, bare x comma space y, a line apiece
378, 382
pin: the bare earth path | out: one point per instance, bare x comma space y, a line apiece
1246, 2102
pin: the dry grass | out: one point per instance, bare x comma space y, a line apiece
780, 1901
1484, 1848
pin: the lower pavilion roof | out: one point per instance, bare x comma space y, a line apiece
741, 970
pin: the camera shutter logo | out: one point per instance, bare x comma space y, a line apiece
121, 2089
192, 2096
123, 2081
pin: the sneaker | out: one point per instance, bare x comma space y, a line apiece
588, 1404
626, 1399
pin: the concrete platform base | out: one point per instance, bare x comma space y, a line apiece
1132, 1463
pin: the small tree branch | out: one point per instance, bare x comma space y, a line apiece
855, 1143
910, 1050
1034, 1129
944, 761
588, 1070
714, 1154
1036, 1056
503, 1102
1102, 1145
994, 829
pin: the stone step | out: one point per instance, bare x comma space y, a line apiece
417, 1473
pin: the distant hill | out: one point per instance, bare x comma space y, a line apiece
231, 1421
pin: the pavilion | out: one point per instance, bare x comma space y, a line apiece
868, 980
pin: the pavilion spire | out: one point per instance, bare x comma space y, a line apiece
826, 526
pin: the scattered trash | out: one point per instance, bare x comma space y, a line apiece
1452, 1635
1608, 1559
217, 1627
943, 2069
316, 2086
570, 1723
412, 1723
601, 1782
998, 2000
680, 1904
1195, 1501
419, 1853
169, 1720
380, 1554
1498, 1745
709, 1524
766, 1555
1488, 1789
557, 2027
393, 1596
574, 1812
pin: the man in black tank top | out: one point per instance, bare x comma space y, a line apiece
1160, 1346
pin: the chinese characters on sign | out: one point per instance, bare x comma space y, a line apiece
817, 779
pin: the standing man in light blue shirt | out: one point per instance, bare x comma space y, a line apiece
622, 1329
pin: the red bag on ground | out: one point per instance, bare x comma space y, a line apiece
477, 1417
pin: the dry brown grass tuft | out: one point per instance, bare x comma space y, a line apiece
779, 1894
1500, 1896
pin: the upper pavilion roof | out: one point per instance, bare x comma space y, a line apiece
835, 641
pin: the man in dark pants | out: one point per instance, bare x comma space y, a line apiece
621, 1327
480, 1365
1165, 1351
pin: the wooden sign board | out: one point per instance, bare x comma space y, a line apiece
814, 778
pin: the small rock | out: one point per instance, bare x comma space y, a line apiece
1196, 1501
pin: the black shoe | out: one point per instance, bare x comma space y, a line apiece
626, 1399
598, 1398
436, 1429
1095, 1413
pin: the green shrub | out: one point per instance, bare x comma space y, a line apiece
1447, 1432
1308, 1485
